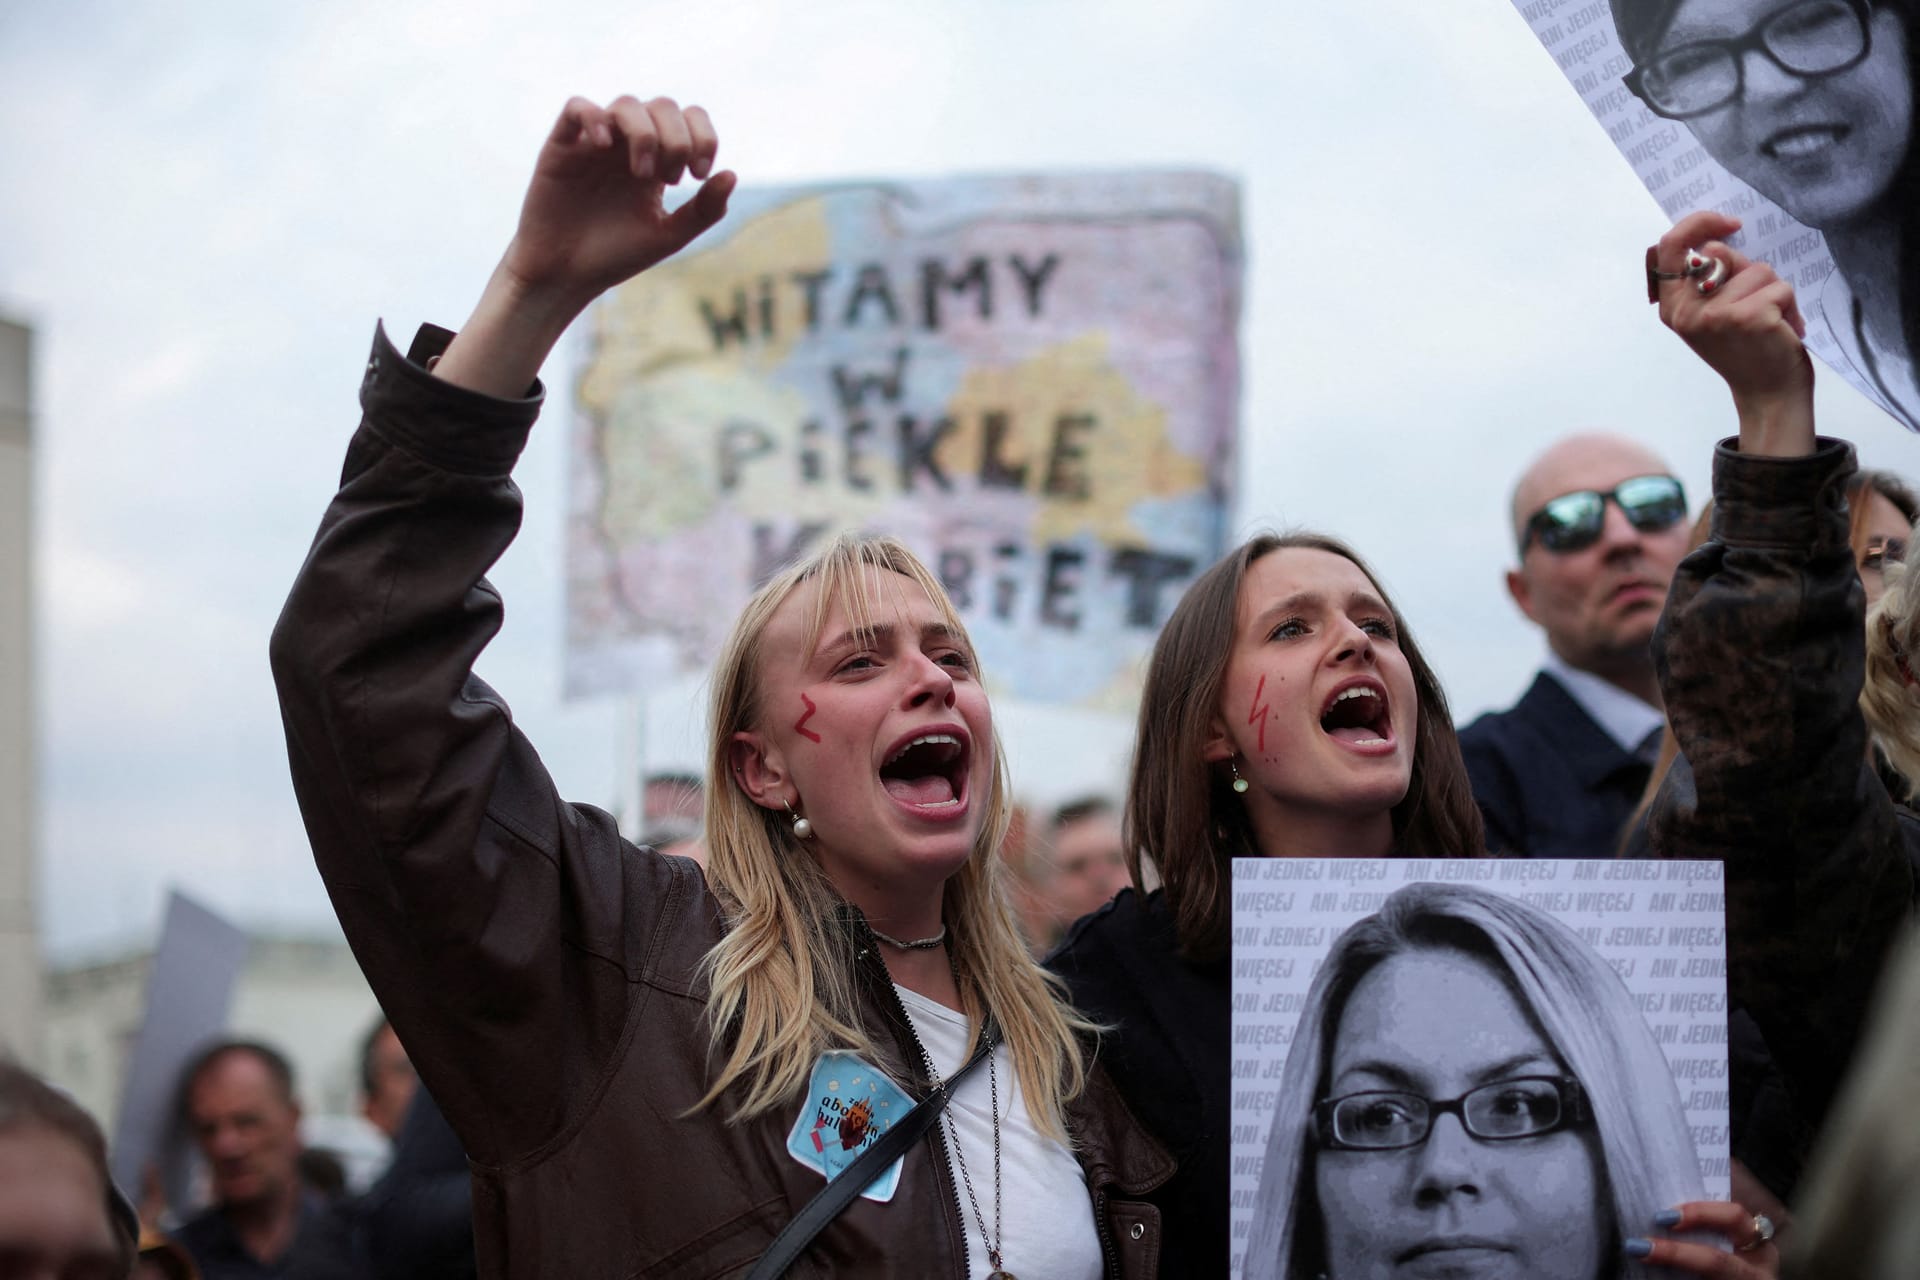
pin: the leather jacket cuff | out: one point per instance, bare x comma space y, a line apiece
448, 427
1782, 503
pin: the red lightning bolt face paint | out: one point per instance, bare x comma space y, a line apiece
1259, 713
1309, 623
800, 725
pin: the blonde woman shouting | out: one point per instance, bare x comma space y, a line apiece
656, 1071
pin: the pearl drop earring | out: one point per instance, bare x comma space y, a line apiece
802, 829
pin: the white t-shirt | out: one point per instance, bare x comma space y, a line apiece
1046, 1212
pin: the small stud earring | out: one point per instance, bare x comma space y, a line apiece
1239, 783
802, 829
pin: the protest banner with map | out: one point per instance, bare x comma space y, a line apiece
1794, 116
1595, 1054
1033, 382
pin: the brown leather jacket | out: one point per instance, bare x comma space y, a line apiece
542, 972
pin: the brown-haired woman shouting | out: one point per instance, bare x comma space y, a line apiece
1287, 713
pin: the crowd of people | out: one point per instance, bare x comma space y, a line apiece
274, 1205
850, 1026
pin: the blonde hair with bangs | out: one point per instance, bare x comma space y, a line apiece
786, 952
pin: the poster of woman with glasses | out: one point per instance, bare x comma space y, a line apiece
1795, 116
1473, 1069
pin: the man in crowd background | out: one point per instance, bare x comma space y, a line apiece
417, 1220
387, 1080
1088, 861
238, 1102
1600, 525
1066, 870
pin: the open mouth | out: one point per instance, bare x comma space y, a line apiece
927, 770
1804, 140
1357, 714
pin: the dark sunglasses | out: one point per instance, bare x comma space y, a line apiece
1573, 521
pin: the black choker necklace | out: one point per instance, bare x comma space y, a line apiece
916, 944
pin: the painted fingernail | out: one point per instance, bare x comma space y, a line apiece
1637, 1248
1667, 1218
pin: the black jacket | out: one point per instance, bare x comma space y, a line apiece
1169, 1052
1761, 657
1550, 782
323, 1247
417, 1221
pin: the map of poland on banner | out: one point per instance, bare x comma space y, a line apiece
1033, 382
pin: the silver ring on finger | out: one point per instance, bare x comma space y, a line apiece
1762, 1233
1709, 274
1698, 264
1699, 268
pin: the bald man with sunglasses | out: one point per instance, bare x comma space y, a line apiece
1599, 525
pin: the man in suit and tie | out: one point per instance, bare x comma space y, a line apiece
1600, 525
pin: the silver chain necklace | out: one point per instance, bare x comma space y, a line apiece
953, 1135
914, 944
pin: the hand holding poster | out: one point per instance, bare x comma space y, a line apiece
1506, 1065
1031, 381
1795, 116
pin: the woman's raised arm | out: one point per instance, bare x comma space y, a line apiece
508, 934
1760, 655
594, 215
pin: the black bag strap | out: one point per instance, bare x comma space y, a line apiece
840, 1191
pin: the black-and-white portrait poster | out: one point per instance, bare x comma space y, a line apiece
1476, 1068
1796, 116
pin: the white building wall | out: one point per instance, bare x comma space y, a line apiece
20, 1023
305, 997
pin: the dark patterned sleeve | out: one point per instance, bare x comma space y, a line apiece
1761, 655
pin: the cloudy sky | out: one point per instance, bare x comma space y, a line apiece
207, 206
